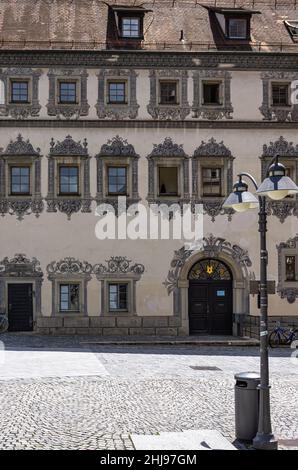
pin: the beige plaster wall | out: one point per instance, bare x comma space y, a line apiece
53, 237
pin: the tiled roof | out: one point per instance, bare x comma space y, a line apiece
82, 24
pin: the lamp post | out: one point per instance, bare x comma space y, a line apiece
276, 186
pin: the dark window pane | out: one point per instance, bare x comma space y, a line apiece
280, 94
211, 93
168, 92
117, 180
168, 181
19, 92
67, 92
20, 180
238, 28
290, 268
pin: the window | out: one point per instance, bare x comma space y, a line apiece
69, 180
19, 92
117, 92
168, 92
290, 268
118, 297
69, 297
237, 28
117, 180
131, 27
211, 178
20, 180
67, 92
280, 94
168, 181
211, 93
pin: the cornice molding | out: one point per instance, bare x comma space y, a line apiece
151, 59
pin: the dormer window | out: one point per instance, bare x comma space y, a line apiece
292, 27
130, 27
237, 28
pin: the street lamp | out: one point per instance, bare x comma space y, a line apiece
276, 186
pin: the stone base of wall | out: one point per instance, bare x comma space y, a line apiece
110, 326
251, 324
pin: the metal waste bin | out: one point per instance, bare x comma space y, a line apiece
246, 405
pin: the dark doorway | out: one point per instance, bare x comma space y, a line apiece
20, 308
210, 298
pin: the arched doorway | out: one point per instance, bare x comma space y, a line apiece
210, 298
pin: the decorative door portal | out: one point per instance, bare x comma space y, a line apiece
210, 298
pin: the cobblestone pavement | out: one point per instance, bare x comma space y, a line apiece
86, 396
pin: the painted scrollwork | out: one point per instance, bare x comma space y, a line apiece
287, 289
168, 112
118, 265
73, 110
288, 152
211, 247
69, 266
77, 153
20, 265
17, 152
219, 153
127, 110
216, 111
268, 110
20, 110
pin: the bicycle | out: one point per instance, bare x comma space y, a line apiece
282, 336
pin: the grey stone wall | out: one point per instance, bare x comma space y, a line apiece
110, 326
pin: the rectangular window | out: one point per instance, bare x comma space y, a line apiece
116, 92
67, 92
237, 28
131, 27
211, 93
290, 268
69, 298
20, 180
69, 180
168, 92
118, 297
168, 181
211, 181
19, 92
280, 94
117, 180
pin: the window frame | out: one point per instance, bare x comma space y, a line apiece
247, 29
177, 97
211, 167
61, 193
280, 83
126, 98
118, 284
219, 83
19, 80
129, 17
117, 193
163, 165
68, 284
20, 193
68, 82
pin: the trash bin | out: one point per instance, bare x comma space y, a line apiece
246, 405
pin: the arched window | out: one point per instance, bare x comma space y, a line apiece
210, 269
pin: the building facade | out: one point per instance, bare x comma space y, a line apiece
162, 102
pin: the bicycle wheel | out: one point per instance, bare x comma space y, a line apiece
295, 337
274, 339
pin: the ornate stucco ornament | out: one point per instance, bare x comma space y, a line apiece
118, 265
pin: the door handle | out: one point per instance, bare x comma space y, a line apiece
207, 309
9, 307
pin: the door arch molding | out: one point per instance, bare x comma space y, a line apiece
235, 257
